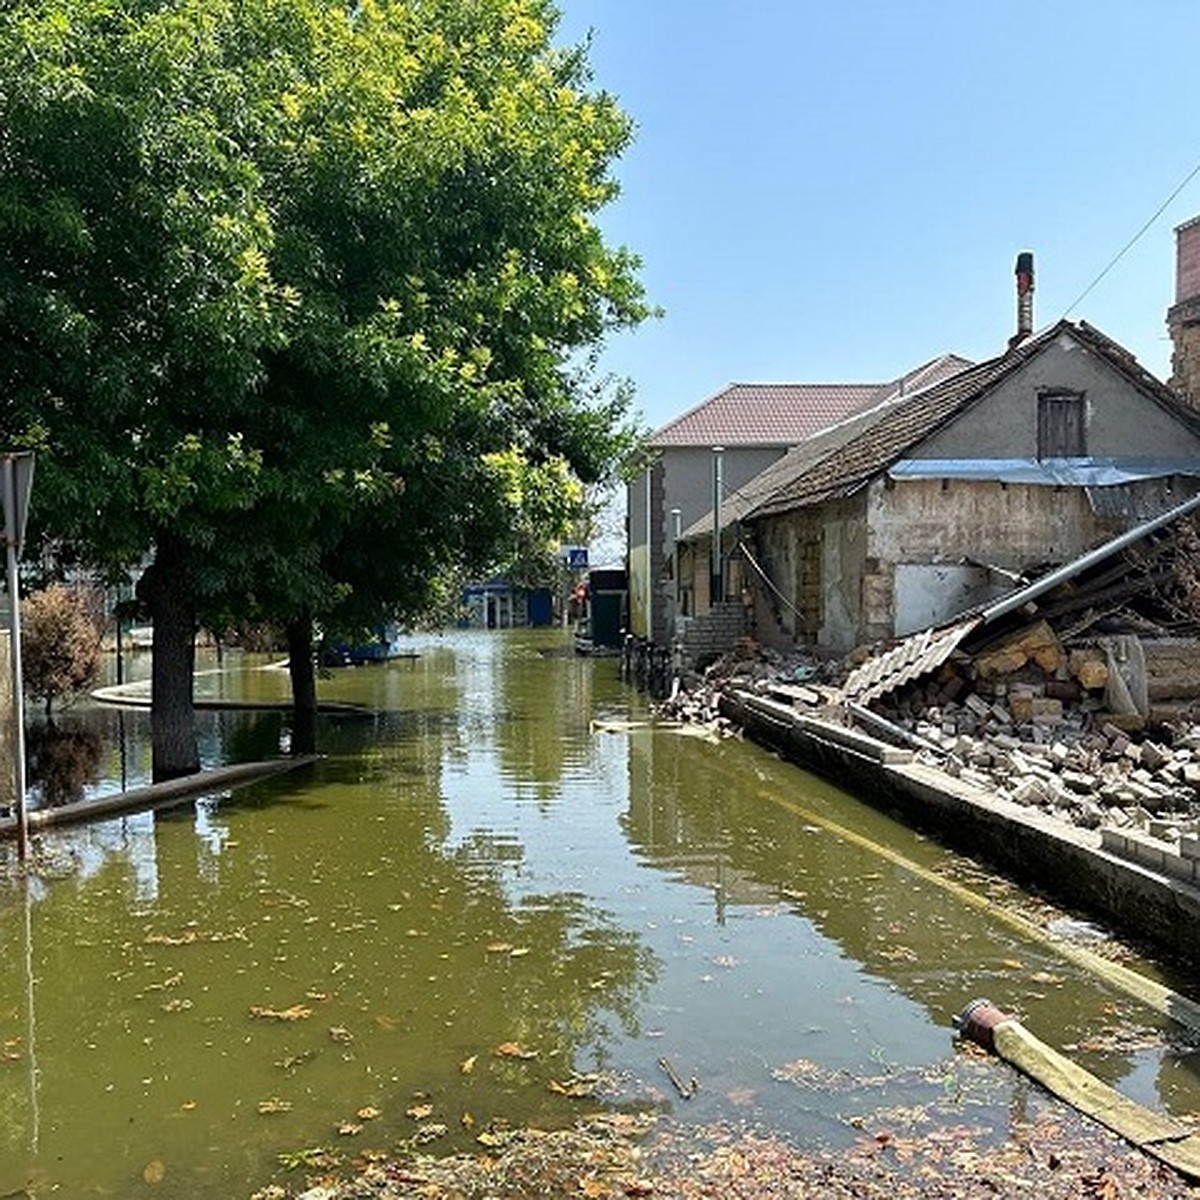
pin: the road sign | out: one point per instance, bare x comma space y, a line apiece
577, 558
18, 483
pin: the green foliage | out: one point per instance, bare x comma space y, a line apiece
60, 641
284, 278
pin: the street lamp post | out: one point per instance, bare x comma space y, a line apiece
718, 487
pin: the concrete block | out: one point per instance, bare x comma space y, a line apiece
1154, 756
1115, 841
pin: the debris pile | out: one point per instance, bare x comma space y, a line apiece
1069, 730
1075, 731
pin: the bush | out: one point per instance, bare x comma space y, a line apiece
60, 645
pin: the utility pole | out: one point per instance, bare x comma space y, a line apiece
16, 480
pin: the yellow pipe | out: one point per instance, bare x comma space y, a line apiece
1164, 1138
1153, 994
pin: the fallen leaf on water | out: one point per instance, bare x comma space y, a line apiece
188, 937
518, 952
514, 1050
274, 1105
367, 1113
188, 1105
170, 982
312, 1158
1013, 964
577, 1086
386, 1023
429, 1133
467, 1121
741, 1096
297, 1012
154, 1171
494, 1138
349, 1129
468, 1064
419, 1112
499, 947
340, 1033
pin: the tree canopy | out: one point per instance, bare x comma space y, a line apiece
297, 297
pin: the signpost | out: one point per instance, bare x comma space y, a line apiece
16, 482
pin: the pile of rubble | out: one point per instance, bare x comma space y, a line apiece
1029, 721
1088, 774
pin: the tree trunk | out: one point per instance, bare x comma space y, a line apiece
302, 668
166, 589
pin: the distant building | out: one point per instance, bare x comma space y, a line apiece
753, 425
498, 604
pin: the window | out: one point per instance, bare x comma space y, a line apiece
1062, 429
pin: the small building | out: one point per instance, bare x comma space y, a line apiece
934, 501
602, 621
721, 444
498, 604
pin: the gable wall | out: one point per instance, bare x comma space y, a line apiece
1121, 421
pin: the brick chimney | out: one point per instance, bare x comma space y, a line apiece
1183, 317
1024, 274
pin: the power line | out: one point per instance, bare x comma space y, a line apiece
1132, 242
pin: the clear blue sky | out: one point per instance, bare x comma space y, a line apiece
827, 190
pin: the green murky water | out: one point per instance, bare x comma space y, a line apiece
507, 859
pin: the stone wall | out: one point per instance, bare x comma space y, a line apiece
704, 638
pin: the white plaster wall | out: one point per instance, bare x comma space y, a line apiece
930, 594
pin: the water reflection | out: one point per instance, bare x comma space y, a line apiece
62, 760
756, 835
474, 865
403, 951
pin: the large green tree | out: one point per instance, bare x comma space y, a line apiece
294, 297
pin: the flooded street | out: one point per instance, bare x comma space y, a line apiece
505, 880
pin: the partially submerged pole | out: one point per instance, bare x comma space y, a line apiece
1164, 1138
16, 478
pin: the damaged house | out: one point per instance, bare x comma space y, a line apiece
939, 500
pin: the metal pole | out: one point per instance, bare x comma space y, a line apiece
677, 533
718, 486
649, 561
8, 478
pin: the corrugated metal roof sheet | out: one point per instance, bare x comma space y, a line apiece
913, 658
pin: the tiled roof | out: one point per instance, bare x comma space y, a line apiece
764, 414
869, 444
822, 443
783, 414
